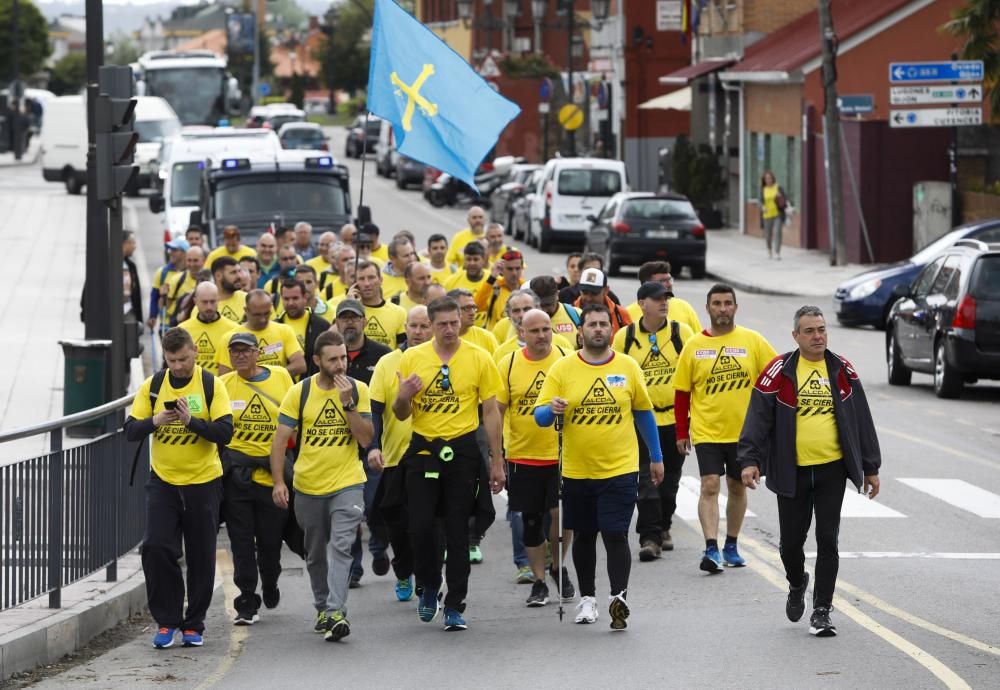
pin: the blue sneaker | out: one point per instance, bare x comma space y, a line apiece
404, 589
731, 557
453, 621
192, 638
164, 638
711, 561
428, 607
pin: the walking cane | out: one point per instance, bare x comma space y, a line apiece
559, 582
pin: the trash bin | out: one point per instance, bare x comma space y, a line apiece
85, 382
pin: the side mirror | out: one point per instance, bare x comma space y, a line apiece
592, 218
157, 204
901, 290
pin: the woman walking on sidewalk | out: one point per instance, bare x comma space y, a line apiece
773, 207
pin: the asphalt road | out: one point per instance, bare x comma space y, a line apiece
917, 603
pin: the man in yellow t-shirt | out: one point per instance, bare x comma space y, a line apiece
306, 325
208, 328
418, 279
680, 310
278, 345
473, 275
186, 411
655, 342
437, 253
505, 277
532, 456
401, 255
713, 379
230, 247
520, 302
471, 333
391, 438
475, 232
177, 252
332, 414
307, 276
442, 384
565, 317
809, 417
385, 321
603, 399
323, 261
180, 285
255, 525
232, 300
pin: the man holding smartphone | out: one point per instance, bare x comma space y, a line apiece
187, 411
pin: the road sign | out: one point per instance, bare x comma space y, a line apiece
489, 68
925, 95
545, 90
570, 117
936, 117
543, 108
917, 72
856, 104
264, 89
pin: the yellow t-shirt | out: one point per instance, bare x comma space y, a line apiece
255, 414
322, 309
381, 254
441, 275
679, 311
241, 252
452, 412
386, 324
178, 455
277, 343
328, 460
384, 387
657, 369
599, 438
521, 381
404, 301
175, 290
503, 330
333, 287
456, 249
562, 324
512, 345
207, 339
719, 372
298, 326
162, 275
235, 307
770, 209
319, 264
392, 285
481, 337
816, 438
461, 280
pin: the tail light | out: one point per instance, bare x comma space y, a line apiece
324, 147
965, 315
621, 227
698, 231
548, 194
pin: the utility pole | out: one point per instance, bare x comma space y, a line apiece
570, 16
97, 297
15, 84
831, 126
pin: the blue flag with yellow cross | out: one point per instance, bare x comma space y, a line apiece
443, 114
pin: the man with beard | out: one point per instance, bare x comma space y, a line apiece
306, 325
278, 344
232, 300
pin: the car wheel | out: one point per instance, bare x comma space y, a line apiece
73, 185
545, 240
611, 267
508, 227
947, 382
697, 271
400, 182
899, 375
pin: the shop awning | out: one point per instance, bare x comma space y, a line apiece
686, 75
678, 100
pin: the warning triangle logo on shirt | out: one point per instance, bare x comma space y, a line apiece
374, 329
230, 314
255, 411
725, 363
815, 386
330, 415
598, 394
204, 343
654, 359
434, 388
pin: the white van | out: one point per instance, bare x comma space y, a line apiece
386, 156
64, 140
570, 190
181, 170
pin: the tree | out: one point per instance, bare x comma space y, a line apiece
33, 33
123, 51
978, 23
344, 51
69, 75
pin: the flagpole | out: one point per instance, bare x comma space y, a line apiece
363, 218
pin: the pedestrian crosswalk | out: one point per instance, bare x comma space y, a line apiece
960, 494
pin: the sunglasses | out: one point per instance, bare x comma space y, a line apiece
445, 377
654, 348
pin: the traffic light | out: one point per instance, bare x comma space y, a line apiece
114, 117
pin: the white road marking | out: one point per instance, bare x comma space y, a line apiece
952, 556
693, 484
860, 506
960, 494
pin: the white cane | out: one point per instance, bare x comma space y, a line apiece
559, 582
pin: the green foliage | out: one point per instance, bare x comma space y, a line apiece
531, 65
123, 51
696, 173
978, 23
69, 75
343, 54
33, 33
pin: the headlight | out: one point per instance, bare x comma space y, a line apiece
866, 288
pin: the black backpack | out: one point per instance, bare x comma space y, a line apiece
675, 337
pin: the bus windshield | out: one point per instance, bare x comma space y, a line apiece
320, 195
195, 93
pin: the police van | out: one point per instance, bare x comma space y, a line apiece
262, 192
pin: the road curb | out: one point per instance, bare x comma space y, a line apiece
48, 640
752, 288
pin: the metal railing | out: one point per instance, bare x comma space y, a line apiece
68, 513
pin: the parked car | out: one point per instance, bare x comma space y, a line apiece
275, 118
409, 171
520, 208
865, 299
303, 135
362, 136
386, 155
947, 321
512, 187
635, 227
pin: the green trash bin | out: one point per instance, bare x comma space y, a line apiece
85, 382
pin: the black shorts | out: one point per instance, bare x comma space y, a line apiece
532, 488
717, 459
600, 505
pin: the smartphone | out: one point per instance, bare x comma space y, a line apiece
170, 404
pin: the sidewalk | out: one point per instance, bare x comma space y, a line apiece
741, 260
29, 157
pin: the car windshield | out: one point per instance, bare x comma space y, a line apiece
925, 255
195, 94
277, 120
373, 128
585, 182
658, 208
267, 196
302, 135
987, 285
184, 183
156, 131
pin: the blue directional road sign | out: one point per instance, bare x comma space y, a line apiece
856, 104
919, 72
264, 89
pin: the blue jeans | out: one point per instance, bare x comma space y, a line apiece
378, 542
517, 539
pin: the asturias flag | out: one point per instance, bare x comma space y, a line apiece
442, 112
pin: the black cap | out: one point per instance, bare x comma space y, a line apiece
248, 339
351, 305
652, 289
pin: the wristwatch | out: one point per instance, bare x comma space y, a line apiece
350, 406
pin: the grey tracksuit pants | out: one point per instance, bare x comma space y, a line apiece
330, 523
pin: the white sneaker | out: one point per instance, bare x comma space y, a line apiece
587, 609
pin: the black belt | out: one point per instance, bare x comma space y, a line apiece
428, 454
663, 409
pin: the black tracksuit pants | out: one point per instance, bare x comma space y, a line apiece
656, 504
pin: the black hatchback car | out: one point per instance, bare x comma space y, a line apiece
636, 227
947, 321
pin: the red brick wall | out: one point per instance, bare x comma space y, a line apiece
764, 16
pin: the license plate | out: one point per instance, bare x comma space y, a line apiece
662, 234
571, 217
